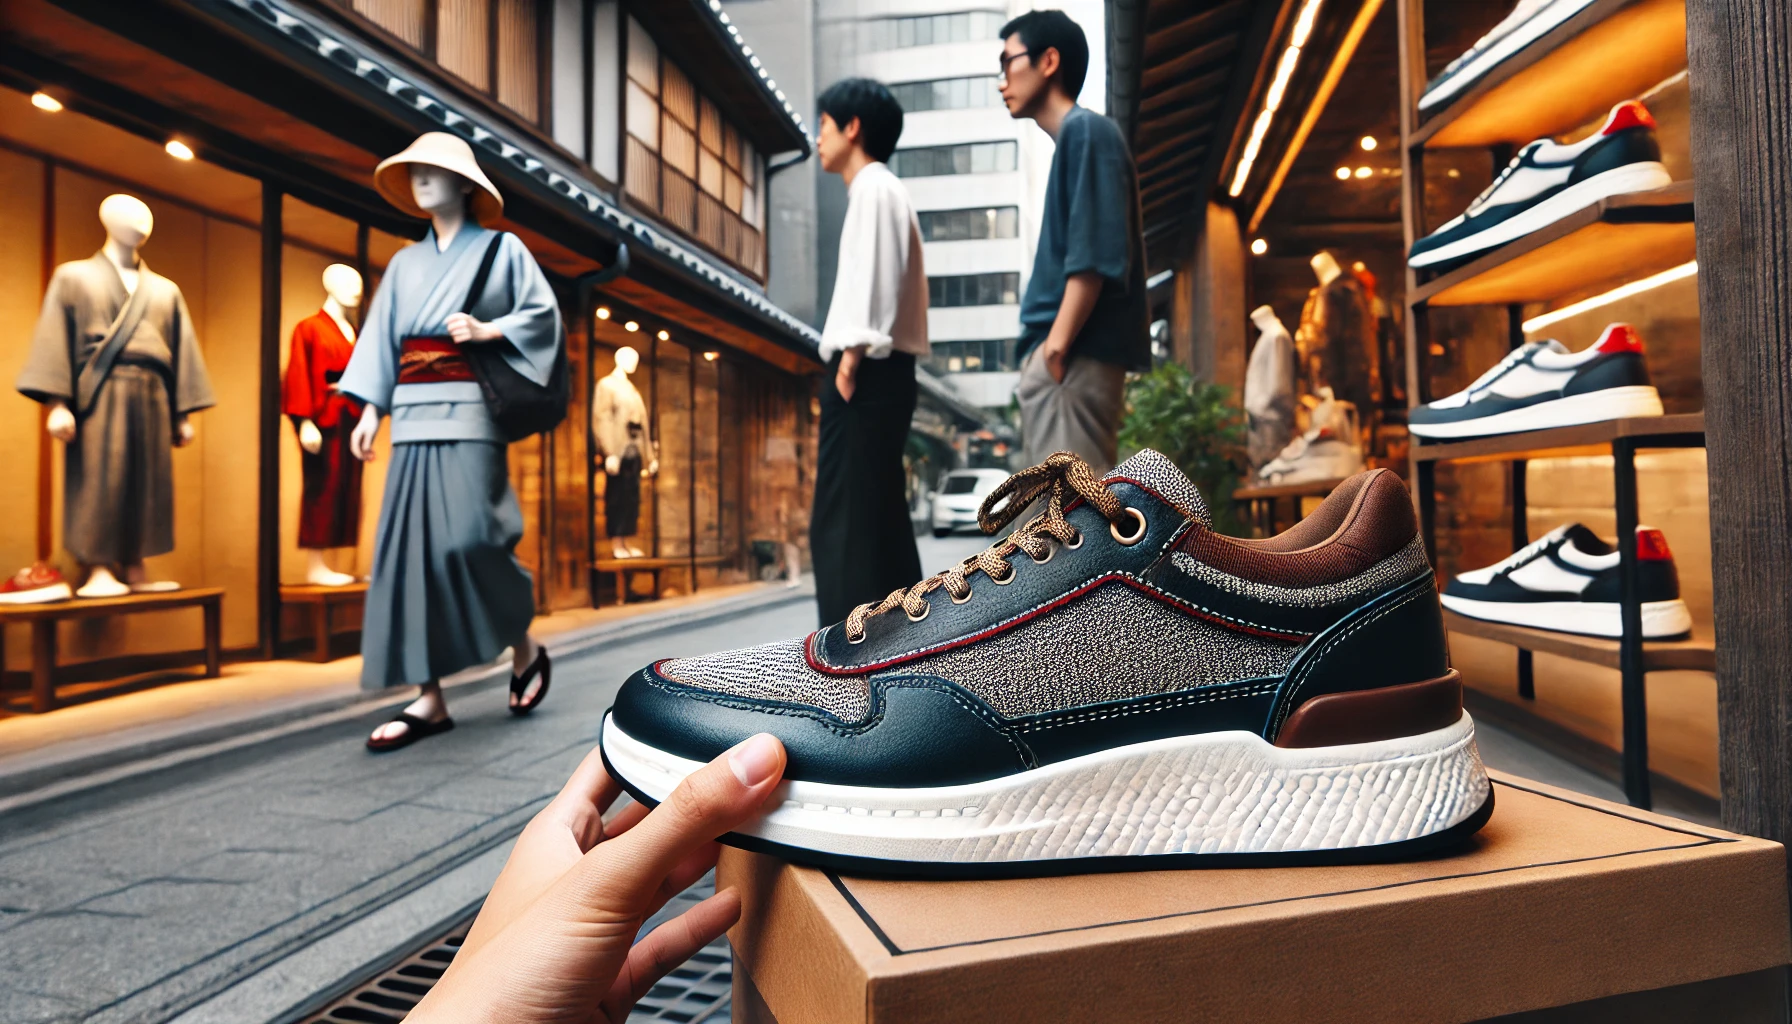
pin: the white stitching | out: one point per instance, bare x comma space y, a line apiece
1306, 671
1182, 700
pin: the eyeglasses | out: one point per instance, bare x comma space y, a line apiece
1006, 58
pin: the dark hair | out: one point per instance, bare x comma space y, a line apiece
1040, 31
880, 116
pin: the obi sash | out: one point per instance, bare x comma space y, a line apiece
432, 360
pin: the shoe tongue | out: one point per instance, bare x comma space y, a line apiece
1151, 470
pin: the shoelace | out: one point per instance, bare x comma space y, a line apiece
1065, 477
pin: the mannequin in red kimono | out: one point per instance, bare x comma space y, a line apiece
330, 507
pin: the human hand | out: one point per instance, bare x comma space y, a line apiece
61, 423
846, 378
184, 430
1057, 358
360, 441
462, 328
612, 464
310, 438
555, 939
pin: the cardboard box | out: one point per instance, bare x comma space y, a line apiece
1561, 899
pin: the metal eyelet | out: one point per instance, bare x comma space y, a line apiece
926, 606
1137, 536
1004, 581
960, 600
1073, 545
1049, 552
860, 640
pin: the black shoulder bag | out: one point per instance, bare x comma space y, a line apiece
518, 405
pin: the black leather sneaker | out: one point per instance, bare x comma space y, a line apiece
1114, 686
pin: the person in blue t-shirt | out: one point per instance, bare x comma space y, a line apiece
1084, 319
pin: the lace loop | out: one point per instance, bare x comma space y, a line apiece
1060, 479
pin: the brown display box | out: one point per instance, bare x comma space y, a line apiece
1561, 899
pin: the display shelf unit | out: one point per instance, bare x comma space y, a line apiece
1263, 503
1611, 51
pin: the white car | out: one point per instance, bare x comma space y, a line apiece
961, 493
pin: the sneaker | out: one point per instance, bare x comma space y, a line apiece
1543, 385
1547, 181
1567, 582
35, 584
1113, 686
1528, 22
1327, 451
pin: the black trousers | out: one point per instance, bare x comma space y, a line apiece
860, 536
622, 497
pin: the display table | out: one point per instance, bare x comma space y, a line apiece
324, 600
44, 617
657, 566
1560, 900
1264, 501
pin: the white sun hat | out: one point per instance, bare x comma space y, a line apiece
449, 152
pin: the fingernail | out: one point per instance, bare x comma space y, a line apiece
755, 759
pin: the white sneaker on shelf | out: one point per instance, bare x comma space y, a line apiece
1329, 450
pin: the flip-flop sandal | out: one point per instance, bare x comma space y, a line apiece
519, 685
415, 729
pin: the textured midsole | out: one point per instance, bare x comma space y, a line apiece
1592, 407
1587, 618
1637, 177
1224, 792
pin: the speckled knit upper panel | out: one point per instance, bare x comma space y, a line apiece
777, 671
1110, 644
1162, 476
1402, 565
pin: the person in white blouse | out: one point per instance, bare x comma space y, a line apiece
860, 538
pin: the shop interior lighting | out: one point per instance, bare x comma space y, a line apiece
712, 356
179, 150
1625, 291
1343, 174
1363, 172
1259, 247
46, 102
663, 336
1340, 59
1278, 88
1368, 143
603, 312
631, 326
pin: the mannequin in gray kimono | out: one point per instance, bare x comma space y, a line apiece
116, 359
447, 591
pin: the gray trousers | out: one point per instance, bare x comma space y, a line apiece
1080, 415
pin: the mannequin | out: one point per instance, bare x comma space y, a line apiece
447, 591
1269, 388
330, 506
1336, 340
619, 424
116, 360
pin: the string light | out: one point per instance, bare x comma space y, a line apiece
46, 102
1343, 174
1278, 90
631, 326
1363, 172
1624, 291
179, 150
663, 336
603, 312
1259, 246
1368, 143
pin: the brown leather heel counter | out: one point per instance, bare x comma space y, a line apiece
1363, 716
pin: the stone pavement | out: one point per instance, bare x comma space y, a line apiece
136, 900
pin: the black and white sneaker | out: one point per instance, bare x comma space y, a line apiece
1543, 385
1527, 23
1547, 181
1115, 686
1567, 582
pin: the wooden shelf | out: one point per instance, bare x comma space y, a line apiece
1675, 431
1310, 489
1614, 241
1612, 51
1658, 655
99, 607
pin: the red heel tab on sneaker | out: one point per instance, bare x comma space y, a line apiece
1628, 114
1652, 546
1620, 338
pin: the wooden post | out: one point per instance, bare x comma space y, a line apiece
1738, 52
267, 548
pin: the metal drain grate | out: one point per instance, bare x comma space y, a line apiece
699, 991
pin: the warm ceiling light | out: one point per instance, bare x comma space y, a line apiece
712, 356
603, 312
1368, 143
45, 101
1625, 291
663, 336
1272, 98
1363, 172
1343, 174
631, 326
179, 150
1259, 247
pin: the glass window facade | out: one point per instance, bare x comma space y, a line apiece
930, 30
947, 94
964, 225
973, 290
964, 158
986, 356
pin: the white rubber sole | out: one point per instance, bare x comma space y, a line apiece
1661, 619
1215, 793
1524, 35
1637, 177
1592, 407
42, 595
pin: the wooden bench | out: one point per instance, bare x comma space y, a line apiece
44, 617
324, 600
623, 566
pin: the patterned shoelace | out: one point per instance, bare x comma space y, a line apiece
1064, 477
